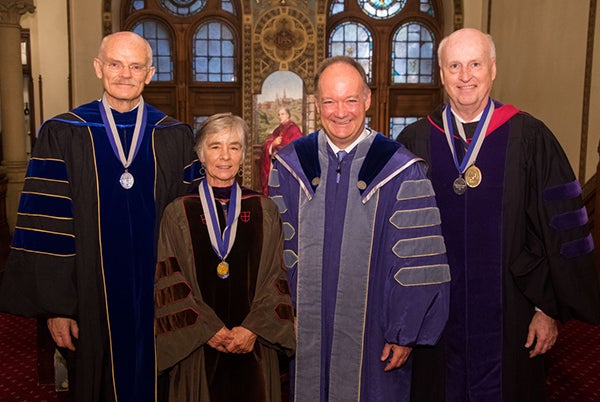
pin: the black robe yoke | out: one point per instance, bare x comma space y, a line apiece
56, 266
519, 240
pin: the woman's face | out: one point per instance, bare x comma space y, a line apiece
222, 155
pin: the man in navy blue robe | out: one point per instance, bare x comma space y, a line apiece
516, 230
84, 248
363, 248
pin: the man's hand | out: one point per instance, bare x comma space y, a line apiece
395, 355
543, 331
63, 330
220, 340
243, 340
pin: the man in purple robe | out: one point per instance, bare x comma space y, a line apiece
363, 248
519, 247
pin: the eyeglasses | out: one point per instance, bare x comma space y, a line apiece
116, 67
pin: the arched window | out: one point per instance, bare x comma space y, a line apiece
354, 40
196, 46
160, 42
401, 37
214, 53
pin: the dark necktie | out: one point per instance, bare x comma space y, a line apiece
338, 170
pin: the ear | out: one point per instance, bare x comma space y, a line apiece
493, 69
368, 100
98, 68
150, 74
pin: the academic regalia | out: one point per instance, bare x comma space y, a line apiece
288, 131
517, 241
365, 261
193, 302
84, 246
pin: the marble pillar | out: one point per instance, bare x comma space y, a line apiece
14, 136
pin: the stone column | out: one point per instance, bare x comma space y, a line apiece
14, 158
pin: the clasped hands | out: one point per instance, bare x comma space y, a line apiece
235, 340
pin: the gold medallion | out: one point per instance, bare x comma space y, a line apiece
223, 270
473, 176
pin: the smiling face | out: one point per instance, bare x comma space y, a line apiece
123, 85
222, 154
468, 70
342, 100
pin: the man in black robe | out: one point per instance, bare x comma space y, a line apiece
516, 232
84, 247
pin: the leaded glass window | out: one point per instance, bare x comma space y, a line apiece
381, 9
138, 5
412, 55
397, 124
213, 51
427, 7
158, 37
337, 6
227, 5
183, 8
353, 40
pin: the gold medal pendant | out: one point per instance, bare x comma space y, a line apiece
223, 270
473, 176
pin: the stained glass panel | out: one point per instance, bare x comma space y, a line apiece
381, 9
158, 37
412, 55
214, 53
427, 8
336, 7
353, 40
183, 8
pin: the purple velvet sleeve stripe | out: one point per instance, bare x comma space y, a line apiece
577, 248
569, 220
563, 192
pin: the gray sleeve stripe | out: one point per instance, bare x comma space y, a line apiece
411, 189
419, 247
289, 258
416, 218
423, 275
288, 231
274, 178
279, 201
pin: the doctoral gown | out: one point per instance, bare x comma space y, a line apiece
366, 264
517, 241
193, 302
84, 247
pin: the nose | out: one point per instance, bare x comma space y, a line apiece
464, 73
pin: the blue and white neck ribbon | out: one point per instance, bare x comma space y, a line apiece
478, 136
113, 134
221, 243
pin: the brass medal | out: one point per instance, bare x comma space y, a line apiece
223, 270
473, 176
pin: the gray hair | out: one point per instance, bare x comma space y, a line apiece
219, 122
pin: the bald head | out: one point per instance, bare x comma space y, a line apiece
127, 39
467, 35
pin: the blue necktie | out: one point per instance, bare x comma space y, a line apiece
338, 170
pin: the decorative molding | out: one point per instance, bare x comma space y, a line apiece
107, 17
587, 88
12, 10
459, 15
